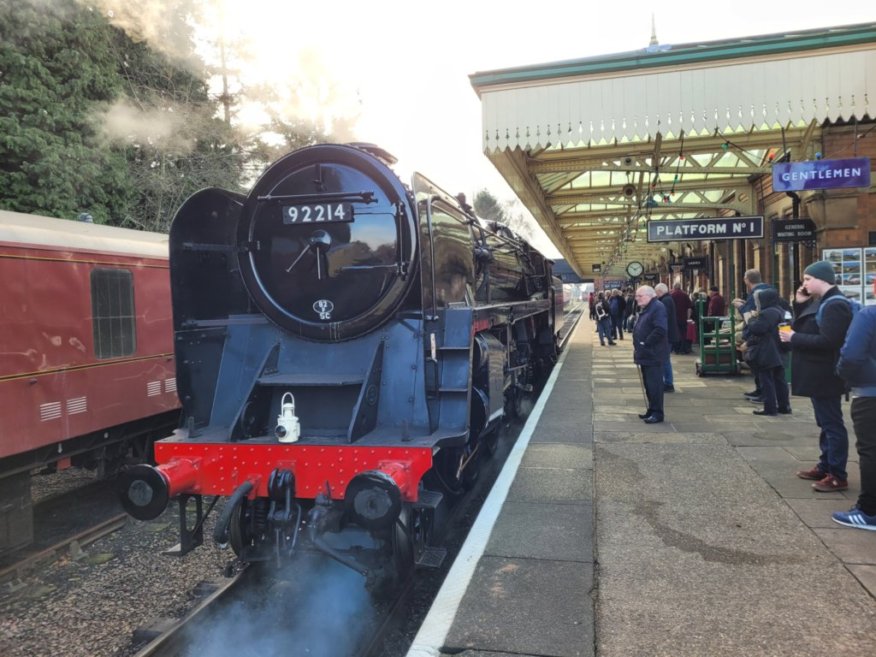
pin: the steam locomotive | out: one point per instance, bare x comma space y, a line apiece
346, 348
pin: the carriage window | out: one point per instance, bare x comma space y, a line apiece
112, 310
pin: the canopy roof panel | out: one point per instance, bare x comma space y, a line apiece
667, 132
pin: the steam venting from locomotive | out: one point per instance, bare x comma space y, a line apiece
347, 346
320, 612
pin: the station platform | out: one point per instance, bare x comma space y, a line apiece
604, 536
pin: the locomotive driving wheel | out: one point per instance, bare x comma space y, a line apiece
403, 545
455, 469
241, 538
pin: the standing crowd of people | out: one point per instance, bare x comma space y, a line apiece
827, 339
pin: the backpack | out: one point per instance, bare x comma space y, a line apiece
853, 304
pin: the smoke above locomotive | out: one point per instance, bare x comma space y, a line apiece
347, 346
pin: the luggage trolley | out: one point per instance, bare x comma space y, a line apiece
717, 341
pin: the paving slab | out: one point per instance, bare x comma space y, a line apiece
558, 456
559, 532
552, 485
853, 546
526, 606
667, 438
867, 576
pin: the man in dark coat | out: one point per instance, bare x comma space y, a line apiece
683, 310
745, 307
815, 347
673, 336
764, 347
651, 350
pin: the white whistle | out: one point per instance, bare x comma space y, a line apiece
288, 429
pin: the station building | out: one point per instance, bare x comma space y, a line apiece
598, 148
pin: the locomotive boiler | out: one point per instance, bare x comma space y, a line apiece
346, 348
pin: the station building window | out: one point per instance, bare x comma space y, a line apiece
112, 311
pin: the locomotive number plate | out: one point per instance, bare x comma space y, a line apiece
317, 213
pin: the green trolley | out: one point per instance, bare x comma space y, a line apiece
717, 341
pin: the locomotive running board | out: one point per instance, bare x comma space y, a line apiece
431, 557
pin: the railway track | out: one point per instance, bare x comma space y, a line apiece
189, 636
12, 574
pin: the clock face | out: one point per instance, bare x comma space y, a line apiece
635, 269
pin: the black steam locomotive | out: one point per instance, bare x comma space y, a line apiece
346, 347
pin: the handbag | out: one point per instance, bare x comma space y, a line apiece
691, 335
751, 354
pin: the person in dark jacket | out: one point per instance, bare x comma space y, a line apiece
617, 305
716, 303
603, 320
651, 350
745, 307
673, 336
857, 367
764, 346
815, 348
683, 311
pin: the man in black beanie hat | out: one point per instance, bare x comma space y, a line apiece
816, 339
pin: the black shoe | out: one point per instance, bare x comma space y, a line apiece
755, 400
763, 412
612, 343
642, 416
785, 411
668, 388
753, 393
652, 419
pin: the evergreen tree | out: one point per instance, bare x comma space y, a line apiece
92, 120
56, 62
488, 207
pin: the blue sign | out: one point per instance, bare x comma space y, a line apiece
821, 174
691, 230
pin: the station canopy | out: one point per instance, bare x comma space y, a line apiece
597, 147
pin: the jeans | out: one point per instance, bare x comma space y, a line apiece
864, 421
774, 390
603, 326
834, 439
667, 371
617, 327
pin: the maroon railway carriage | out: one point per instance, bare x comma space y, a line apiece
86, 353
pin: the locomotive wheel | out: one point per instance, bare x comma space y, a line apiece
472, 471
403, 545
490, 441
240, 537
446, 466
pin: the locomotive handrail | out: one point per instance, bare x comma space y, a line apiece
365, 197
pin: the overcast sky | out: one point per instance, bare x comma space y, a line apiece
403, 65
